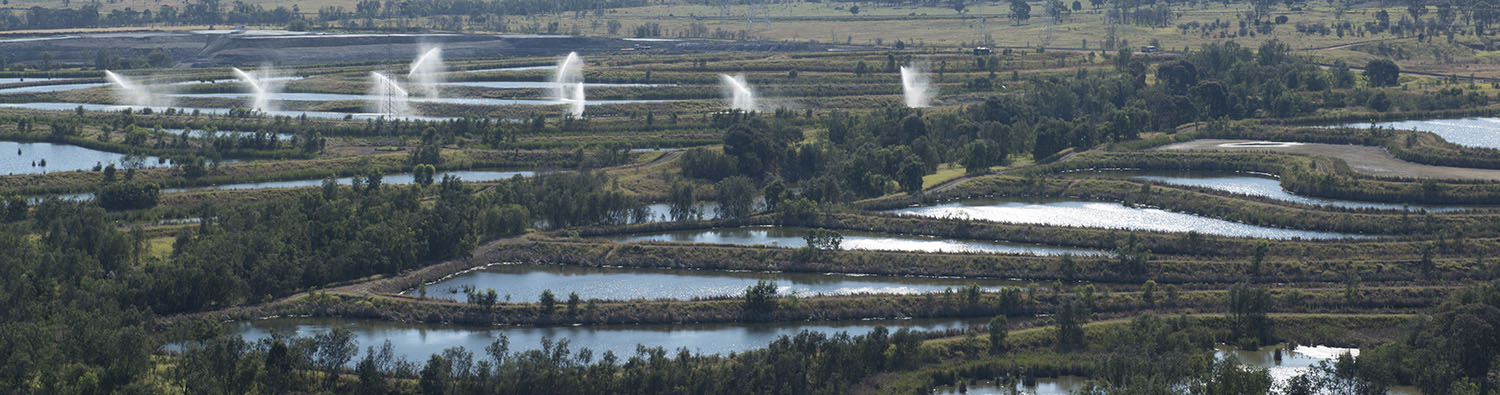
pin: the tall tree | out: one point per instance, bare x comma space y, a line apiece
1019, 11
1382, 72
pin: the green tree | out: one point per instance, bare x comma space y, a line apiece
1228, 377
1067, 267
682, 204
1382, 72
423, 174
760, 299
1148, 292
434, 376
1132, 257
999, 327
1248, 309
736, 196
979, 155
1019, 11
910, 176
1379, 102
371, 379
573, 301
1427, 264
128, 196
335, 348
548, 302
1257, 257
430, 150
1069, 318
15, 209
775, 193
824, 240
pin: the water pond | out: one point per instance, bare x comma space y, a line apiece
1109, 215
793, 238
1267, 186
390, 179
472, 101
522, 68
64, 106
415, 342
1296, 361
525, 283
542, 84
28, 158
50, 88
1469, 132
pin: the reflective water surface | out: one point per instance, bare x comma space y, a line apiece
1469, 132
793, 238
1267, 186
28, 158
415, 342
391, 179
525, 283
1105, 215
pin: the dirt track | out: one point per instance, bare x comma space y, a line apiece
1363, 159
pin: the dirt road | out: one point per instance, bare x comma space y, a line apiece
1373, 161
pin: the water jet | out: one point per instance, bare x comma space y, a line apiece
259, 88
568, 84
426, 72
916, 87
132, 93
740, 96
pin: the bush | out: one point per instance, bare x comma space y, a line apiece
124, 196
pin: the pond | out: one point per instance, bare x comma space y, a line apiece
50, 88
1468, 132
793, 238
415, 342
525, 282
522, 68
13, 80
1297, 361
28, 158
64, 106
706, 210
471, 101
543, 84
1041, 386
1109, 215
1267, 186
388, 179
237, 80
